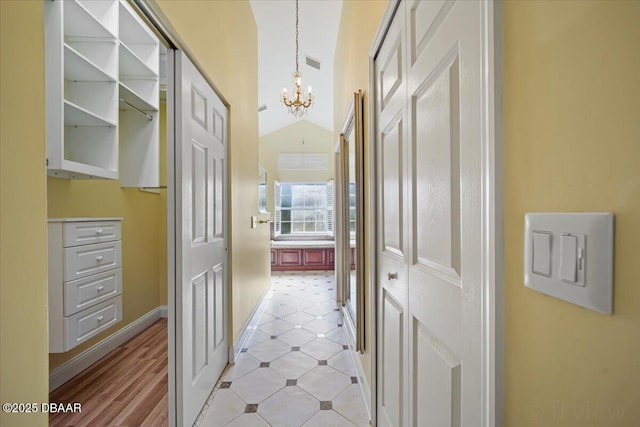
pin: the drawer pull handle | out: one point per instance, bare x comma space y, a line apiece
100, 288
99, 318
99, 232
392, 276
99, 258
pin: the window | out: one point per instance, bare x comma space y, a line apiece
304, 208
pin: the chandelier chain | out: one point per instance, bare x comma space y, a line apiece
299, 102
296, 35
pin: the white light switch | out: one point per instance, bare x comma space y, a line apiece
569, 260
558, 262
542, 253
573, 261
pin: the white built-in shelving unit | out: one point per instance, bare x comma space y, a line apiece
102, 82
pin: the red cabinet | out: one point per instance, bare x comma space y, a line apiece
292, 259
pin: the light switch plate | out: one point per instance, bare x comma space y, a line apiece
581, 257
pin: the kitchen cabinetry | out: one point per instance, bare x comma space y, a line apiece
297, 259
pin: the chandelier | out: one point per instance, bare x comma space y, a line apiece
299, 104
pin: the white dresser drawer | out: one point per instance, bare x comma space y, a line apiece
83, 261
90, 322
85, 233
84, 293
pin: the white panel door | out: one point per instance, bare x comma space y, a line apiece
392, 257
430, 257
201, 273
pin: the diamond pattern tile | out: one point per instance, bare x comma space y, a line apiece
268, 350
320, 309
328, 418
337, 335
297, 337
256, 337
245, 364
321, 348
299, 318
343, 363
290, 406
225, 407
293, 369
280, 310
324, 382
334, 316
258, 385
276, 327
248, 420
294, 364
266, 317
319, 326
350, 405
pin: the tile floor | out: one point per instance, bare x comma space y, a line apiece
296, 369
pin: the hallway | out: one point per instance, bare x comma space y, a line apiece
296, 368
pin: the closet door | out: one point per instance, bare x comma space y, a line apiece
429, 139
392, 257
445, 212
201, 239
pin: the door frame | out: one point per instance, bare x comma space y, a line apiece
158, 22
492, 210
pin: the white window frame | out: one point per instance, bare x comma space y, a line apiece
329, 224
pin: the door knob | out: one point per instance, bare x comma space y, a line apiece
392, 276
100, 288
99, 258
99, 232
99, 318
264, 221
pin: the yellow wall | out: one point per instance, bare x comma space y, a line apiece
224, 39
300, 137
358, 25
23, 212
572, 143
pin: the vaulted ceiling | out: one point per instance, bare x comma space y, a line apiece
319, 22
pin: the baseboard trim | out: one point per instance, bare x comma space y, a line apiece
82, 361
250, 325
362, 379
164, 311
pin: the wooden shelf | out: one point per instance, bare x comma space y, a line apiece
74, 115
73, 169
130, 96
97, 52
79, 22
78, 67
132, 66
133, 29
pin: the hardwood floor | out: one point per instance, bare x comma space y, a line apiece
126, 388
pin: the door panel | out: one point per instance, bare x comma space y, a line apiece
437, 392
201, 276
392, 194
435, 149
392, 377
428, 137
391, 135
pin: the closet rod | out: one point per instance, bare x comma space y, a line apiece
160, 187
148, 116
